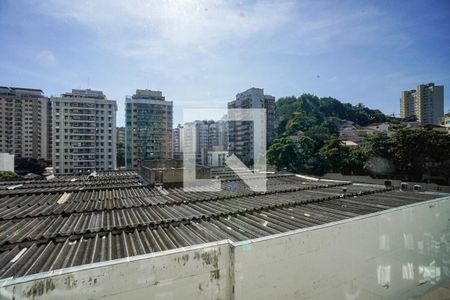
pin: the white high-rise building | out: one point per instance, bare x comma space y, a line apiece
84, 132
426, 103
240, 133
196, 139
201, 137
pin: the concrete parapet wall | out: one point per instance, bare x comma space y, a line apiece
396, 254
199, 272
395, 182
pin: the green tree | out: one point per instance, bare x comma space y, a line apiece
420, 152
379, 144
29, 165
300, 122
332, 124
296, 154
7, 175
335, 154
319, 134
282, 153
309, 160
306, 111
355, 162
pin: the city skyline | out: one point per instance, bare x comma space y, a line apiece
352, 51
224, 149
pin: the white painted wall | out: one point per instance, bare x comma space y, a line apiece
391, 255
6, 162
217, 158
199, 272
396, 254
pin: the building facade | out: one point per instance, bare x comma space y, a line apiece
84, 132
195, 140
120, 147
218, 135
445, 121
148, 133
201, 136
177, 142
120, 135
407, 103
217, 158
240, 133
24, 123
426, 103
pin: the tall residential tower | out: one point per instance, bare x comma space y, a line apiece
24, 123
426, 103
240, 133
148, 133
84, 132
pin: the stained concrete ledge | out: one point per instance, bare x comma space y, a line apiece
401, 253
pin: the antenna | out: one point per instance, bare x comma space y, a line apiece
89, 83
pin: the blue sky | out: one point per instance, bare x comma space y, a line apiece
201, 53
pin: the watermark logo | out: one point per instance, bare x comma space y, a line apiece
243, 133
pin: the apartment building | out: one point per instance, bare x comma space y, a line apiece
240, 133
120, 147
120, 135
84, 132
426, 102
445, 121
24, 123
218, 134
148, 133
195, 140
202, 136
177, 142
217, 158
407, 104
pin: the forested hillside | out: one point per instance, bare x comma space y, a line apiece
307, 111
307, 142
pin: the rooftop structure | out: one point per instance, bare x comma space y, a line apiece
217, 158
168, 172
72, 221
349, 131
88, 93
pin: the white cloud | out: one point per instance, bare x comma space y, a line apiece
45, 57
140, 28
176, 30
211, 49
184, 41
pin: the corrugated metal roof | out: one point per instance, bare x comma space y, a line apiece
114, 216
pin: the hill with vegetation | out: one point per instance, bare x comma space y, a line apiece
304, 112
308, 142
